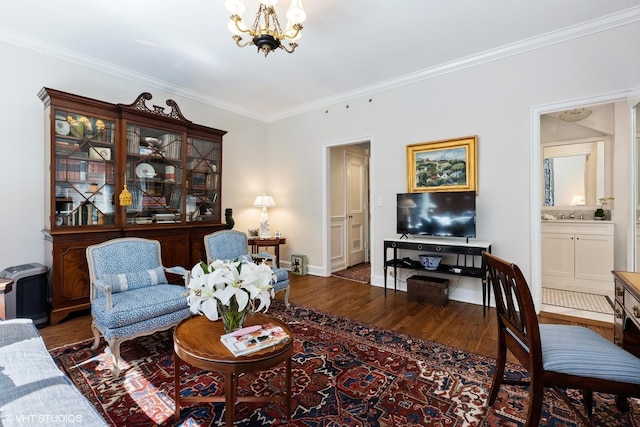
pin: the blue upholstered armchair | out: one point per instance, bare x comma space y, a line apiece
229, 245
129, 293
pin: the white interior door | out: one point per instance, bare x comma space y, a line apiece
357, 208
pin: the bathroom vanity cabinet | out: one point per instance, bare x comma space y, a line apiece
577, 255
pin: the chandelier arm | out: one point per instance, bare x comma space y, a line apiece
296, 27
293, 47
238, 39
236, 19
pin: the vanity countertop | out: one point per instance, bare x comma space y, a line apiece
577, 221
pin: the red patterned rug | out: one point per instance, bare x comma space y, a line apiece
345, 373
358, 273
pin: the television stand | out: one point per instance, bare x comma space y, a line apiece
460, 248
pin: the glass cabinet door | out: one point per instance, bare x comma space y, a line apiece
203, 180
84, 170
154, 175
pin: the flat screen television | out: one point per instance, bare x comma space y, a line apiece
450, 214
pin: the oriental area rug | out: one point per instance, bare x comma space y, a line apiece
345, 373
358, 273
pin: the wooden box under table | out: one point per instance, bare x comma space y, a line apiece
432, 290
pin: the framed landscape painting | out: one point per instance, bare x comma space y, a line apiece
448, 165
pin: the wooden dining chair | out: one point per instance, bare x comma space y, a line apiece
557, 356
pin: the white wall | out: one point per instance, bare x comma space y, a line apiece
22, 144
494, 100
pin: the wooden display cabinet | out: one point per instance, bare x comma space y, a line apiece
170, 166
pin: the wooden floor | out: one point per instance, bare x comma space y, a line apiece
458, 324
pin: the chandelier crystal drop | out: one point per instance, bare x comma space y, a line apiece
266, 33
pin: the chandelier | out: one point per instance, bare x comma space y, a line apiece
266, 33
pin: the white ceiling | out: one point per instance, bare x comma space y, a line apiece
349, 47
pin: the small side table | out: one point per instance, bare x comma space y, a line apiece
275, 242
196, 341
5, 287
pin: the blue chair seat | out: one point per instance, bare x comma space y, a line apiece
137, 305
575, 350
281, 275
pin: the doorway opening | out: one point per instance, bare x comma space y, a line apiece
573, 256
348, 203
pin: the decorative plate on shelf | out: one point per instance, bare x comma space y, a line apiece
145, 170
62, 127
149, 141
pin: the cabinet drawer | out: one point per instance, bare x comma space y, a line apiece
632, 307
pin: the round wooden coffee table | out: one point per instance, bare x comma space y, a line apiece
196, 341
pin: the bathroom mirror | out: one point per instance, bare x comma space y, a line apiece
574, 173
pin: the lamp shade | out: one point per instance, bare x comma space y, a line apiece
94, 189
236, 7
296, 13
264, 201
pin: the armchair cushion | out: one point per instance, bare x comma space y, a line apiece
134, 280
576, 350
281, 274
137, 305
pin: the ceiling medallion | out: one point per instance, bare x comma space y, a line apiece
575, 115
266, 33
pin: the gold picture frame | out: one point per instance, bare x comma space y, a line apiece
447, 165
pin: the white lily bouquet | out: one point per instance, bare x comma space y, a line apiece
229, 290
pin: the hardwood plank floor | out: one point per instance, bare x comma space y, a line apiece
457, 324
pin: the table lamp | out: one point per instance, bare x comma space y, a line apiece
264, 202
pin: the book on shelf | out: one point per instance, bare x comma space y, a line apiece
254, 338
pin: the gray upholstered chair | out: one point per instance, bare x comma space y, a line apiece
228, 245
557, 356
129, 293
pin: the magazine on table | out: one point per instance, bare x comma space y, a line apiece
254, 338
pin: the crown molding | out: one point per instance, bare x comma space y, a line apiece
55, 51
594, 26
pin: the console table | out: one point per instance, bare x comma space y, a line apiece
463, 250
275, 242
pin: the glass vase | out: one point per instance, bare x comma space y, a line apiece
232, 318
